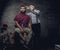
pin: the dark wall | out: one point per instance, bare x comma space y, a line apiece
49, 21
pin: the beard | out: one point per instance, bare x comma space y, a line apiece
23, 12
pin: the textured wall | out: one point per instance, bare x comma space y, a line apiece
49, 23
10, 11
9, 14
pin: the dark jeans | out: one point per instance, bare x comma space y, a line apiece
36, 29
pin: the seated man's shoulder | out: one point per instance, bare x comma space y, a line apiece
28, 16
28, 13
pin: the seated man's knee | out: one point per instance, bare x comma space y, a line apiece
17, 30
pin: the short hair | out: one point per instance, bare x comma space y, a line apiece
32, 4
23, 6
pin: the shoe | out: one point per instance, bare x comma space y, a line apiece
25, 46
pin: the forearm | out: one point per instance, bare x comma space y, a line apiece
37, 12
18, 25
30, 26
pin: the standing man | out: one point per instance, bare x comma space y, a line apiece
34, 14
23, 25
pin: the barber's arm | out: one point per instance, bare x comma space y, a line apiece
30, 26
19, 26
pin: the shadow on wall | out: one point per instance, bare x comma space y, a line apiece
10, 11
12, 8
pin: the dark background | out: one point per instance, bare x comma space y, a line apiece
50, 23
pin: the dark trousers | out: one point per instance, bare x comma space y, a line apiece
36, 29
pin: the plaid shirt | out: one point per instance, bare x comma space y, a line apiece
22, 19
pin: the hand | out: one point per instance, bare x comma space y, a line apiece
25, 35
27, 7
30, 30
22, 30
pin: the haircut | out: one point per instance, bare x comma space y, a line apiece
23, 6
32, 4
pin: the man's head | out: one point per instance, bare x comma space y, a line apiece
23, 8
31, 7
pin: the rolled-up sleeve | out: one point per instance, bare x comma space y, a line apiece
37, 11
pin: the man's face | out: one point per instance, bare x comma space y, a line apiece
22, 9
31, 7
